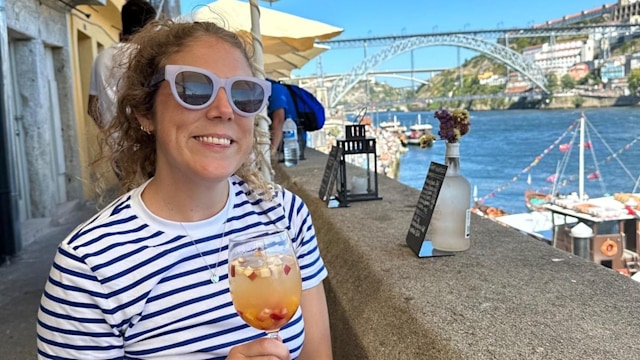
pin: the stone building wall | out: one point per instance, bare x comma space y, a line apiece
37, 31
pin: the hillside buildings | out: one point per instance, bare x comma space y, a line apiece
627, 11
578, 57
560, 56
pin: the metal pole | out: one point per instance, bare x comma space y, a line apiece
413, 83
10, 235
366, 78
262, 121
459, 70
581, 160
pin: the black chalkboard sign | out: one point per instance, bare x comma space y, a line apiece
330, 174
424, 211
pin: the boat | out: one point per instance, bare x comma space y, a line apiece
417, 130
487, 211
604, 229
535, 201
395, 128
483, 210
537, 224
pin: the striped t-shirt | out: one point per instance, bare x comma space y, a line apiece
129, 285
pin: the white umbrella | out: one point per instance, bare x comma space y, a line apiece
280, 66
281, 33
282, 42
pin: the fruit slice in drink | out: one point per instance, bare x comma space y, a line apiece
265, 289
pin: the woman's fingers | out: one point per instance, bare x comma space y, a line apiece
261, 349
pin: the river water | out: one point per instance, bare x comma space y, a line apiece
500, 151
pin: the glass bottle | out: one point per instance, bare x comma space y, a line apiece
449, 226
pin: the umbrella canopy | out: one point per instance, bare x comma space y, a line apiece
288, 40
282, 33
280, 66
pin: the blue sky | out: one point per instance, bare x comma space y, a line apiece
364, 18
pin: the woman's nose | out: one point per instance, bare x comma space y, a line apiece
221, 106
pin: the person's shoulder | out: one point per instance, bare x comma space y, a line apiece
110, 218
279, 89
291, 200
278, 98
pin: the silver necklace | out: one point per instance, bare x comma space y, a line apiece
214, 272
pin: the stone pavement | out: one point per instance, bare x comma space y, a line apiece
22, 277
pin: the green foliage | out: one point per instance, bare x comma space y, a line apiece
523, 43
627, 47
334, 131
633, 81
567, 82
435, 105
552, 82
592, 78
578, 101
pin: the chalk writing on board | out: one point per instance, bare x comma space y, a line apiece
330, 174
425, 206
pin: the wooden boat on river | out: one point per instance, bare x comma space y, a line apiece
417, 130
535, 201
605, 230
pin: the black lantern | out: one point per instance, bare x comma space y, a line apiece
357, 175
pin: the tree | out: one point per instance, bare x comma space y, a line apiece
567, 82
578, 101
633, 81
552, 82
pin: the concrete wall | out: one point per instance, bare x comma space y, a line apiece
508, 297
34, 28
88, 37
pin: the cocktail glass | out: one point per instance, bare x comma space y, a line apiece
264, 279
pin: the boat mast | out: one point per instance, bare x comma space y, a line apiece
581, 163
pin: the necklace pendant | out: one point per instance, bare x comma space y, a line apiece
215, 278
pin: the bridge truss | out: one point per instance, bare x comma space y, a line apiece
493, 34
496, 51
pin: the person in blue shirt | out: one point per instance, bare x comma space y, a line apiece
281, 107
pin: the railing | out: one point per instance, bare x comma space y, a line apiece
490, 34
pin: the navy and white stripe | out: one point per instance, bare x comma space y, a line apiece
127, 284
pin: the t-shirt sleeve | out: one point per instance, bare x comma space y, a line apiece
278, 99
304, 240
74, 320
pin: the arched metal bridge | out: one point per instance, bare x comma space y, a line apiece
514, 60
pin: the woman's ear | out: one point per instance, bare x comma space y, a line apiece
146, 125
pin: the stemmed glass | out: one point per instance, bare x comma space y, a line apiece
264, 279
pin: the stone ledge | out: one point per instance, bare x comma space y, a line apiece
508, 297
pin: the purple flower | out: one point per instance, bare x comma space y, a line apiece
453, 124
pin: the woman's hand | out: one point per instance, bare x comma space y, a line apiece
265, 348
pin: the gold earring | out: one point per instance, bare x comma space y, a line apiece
145, 129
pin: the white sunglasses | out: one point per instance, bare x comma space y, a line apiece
196, 88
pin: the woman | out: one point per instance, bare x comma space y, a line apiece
147, 276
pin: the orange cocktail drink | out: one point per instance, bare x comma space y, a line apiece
265, 289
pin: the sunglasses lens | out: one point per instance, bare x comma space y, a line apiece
193, 88
248, 96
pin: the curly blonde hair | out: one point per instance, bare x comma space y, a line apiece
125, 146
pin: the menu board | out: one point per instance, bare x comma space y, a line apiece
424, 211
330, 174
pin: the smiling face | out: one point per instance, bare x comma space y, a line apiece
208, 144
